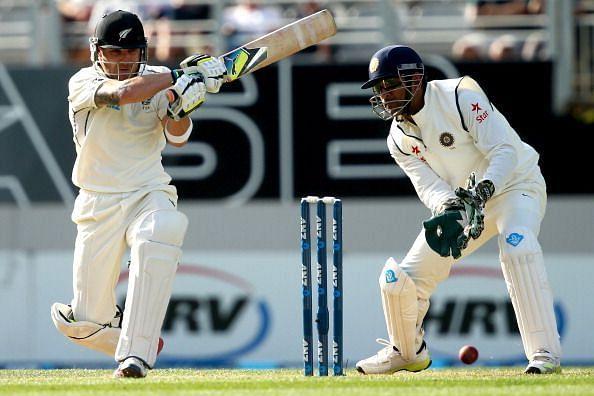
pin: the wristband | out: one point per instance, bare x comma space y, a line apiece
175, 74
178, 139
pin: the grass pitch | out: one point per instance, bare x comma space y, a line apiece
461, 381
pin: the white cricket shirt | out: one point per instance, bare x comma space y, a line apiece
118, 147
459, 131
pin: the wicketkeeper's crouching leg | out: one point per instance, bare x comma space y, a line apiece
525, 275
406, 349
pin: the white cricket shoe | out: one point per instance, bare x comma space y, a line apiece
388, 360
131, 367
543, 362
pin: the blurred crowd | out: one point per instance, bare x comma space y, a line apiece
499, 40
177, 28
482, 44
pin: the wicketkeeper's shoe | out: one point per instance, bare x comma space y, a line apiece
131, 367
543, 362
388, 360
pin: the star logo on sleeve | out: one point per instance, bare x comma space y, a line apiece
476, 107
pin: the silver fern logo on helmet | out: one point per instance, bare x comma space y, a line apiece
124, 33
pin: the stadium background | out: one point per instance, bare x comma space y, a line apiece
300, 127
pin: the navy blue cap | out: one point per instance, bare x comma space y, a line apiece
389, 61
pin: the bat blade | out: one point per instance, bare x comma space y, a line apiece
276, 45
279, 44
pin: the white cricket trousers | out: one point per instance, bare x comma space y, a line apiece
515, 218
107, 225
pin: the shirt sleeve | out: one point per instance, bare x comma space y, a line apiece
160, 101
493, 136
82, 87
432, 190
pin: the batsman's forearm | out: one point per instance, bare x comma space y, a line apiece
141, 88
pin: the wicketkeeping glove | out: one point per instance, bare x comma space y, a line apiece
474, 197
190, 93
212, 69
484, 190
444, 232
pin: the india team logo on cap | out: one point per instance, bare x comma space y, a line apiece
373, 64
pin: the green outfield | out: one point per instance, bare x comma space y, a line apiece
480, 381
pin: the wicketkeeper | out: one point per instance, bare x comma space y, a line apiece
121, 119
470, 168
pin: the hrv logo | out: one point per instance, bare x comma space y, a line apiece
213, 317
473, 307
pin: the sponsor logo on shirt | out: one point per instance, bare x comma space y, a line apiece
391, 276
514, 239
481, 116
417, 151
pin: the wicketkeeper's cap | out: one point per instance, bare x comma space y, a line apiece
390, 62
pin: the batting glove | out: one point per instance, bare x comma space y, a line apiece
212, 69
190, 93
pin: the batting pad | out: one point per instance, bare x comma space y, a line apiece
399, 300
152, 272
101, 338
525, 275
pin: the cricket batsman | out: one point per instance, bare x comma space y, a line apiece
479, 180
122, 117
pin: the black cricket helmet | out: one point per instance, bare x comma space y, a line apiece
119, 29
392, 68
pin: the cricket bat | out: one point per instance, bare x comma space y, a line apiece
279, 44
276, 45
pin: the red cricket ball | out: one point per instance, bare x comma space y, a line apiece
468, 354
